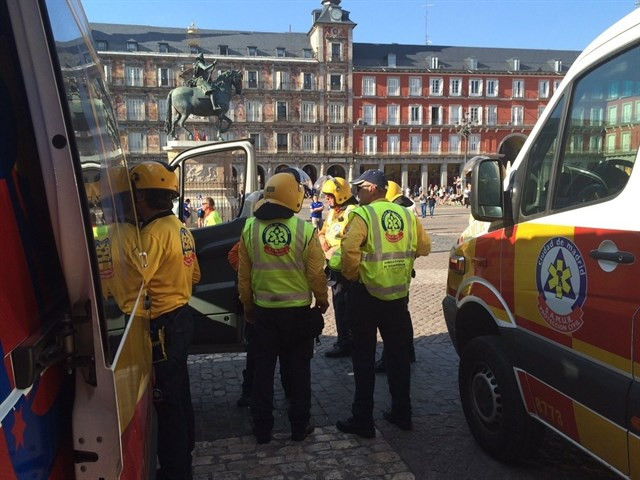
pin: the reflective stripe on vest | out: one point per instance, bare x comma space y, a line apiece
389, 252
278, 273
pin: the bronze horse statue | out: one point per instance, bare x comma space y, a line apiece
192, 101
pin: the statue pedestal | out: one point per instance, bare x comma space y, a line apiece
207, 176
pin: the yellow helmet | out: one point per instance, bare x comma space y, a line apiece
283, 189
393, 191
339, 188
119, 179
154, 175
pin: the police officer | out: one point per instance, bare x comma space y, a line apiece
378, 252
394, 194
172, 268
341, 202
280, 266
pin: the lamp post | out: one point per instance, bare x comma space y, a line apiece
463, 127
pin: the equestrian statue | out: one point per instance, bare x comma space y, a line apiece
203, 97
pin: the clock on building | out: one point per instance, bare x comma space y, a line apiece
336, 14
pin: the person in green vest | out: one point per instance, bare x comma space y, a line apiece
211, 214
378, 250
280, 270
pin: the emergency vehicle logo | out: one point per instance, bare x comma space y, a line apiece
393, 226
105, 260
561, 278
276, 239
188, 249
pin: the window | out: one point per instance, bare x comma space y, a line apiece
369, 112
491, 88
136, 142
435, 87
282, 80
162, 108
393, 144
165, 77
307, 81
455, 114
368, 86
335, 81
475, 115
194, 50
415, 115
613, 115
280, 52
517, 115
556, 84
597, 118
370, 144
335, 142
336, 52
132, 46
252, 79
415, 143
336, 113
391, 60
595, 144
102, 45
436, 115
435, 143
540, 111
253, 110
475, 87
433, 62
163, 47
281, 111
393, 86
282, 142
307, 53
492, 115
625, 141
223, 50
474, 143
455, 87
133, 76
611, 143
393, 115
415, 86
454, 143
135, 109
518, 89
252, 51
472, 63
626, 113
543, 89
308, 142
107, 74
257, 140
308, 113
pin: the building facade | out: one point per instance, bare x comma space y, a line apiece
319, 102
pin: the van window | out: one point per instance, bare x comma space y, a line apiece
539, 165
601, 141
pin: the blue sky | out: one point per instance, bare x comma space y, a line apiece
546, 24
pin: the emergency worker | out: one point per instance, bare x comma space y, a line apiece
280, 267
172, 268
394, 194
341, 202
211, 214
378, 252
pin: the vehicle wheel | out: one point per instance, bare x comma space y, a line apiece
492, 404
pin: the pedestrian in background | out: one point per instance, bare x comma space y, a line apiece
211, 214
423, 204
172, 268
316, 212
431, 199
341, 201
280, 267
378, 252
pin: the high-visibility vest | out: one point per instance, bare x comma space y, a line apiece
278, 252
390, 250
336, 225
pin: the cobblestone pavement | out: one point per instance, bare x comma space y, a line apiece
440, 445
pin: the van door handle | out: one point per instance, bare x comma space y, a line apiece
618, 257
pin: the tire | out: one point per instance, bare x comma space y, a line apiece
492, 404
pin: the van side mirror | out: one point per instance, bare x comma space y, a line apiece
486, 190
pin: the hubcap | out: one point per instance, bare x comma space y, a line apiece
485, 395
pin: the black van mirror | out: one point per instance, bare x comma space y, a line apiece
486, 190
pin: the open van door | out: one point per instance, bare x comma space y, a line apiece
222, 171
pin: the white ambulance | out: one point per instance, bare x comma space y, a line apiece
543, 305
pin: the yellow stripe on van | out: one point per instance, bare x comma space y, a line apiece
608, 358
500, 314
607, 440
530, 238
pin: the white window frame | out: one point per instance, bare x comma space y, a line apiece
336, 112
627, 112
308, 112
543, 89
134, 76
136, 142
253, 111
474, 143
455, 114
249, 83
278, 103
309, 142
165, 81
517, 88
475, 87
455, 143
370, 143
393, 115
517, 115
368, 86
369, 114
435, 86
288, 149
336, 88
415, 143
415, 114
475, 114
336, 142
136, 109
435, 143
303, 84
455, 87
393, 86
282, 80
393, 144
491, 87
492, 115
439, 120
415, 86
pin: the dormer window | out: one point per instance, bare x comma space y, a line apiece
252, 51
132, 46
472, 63
280, 52
307, 53
516, 64
223, 49
434, 63
391, 60
163, 47
557, 66
102, 45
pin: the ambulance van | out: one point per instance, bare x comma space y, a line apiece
543, 303
75, 371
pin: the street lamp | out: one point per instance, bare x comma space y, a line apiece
463, 127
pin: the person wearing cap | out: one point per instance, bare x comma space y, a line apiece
171, 270
378, 250
280, 269
341, 201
